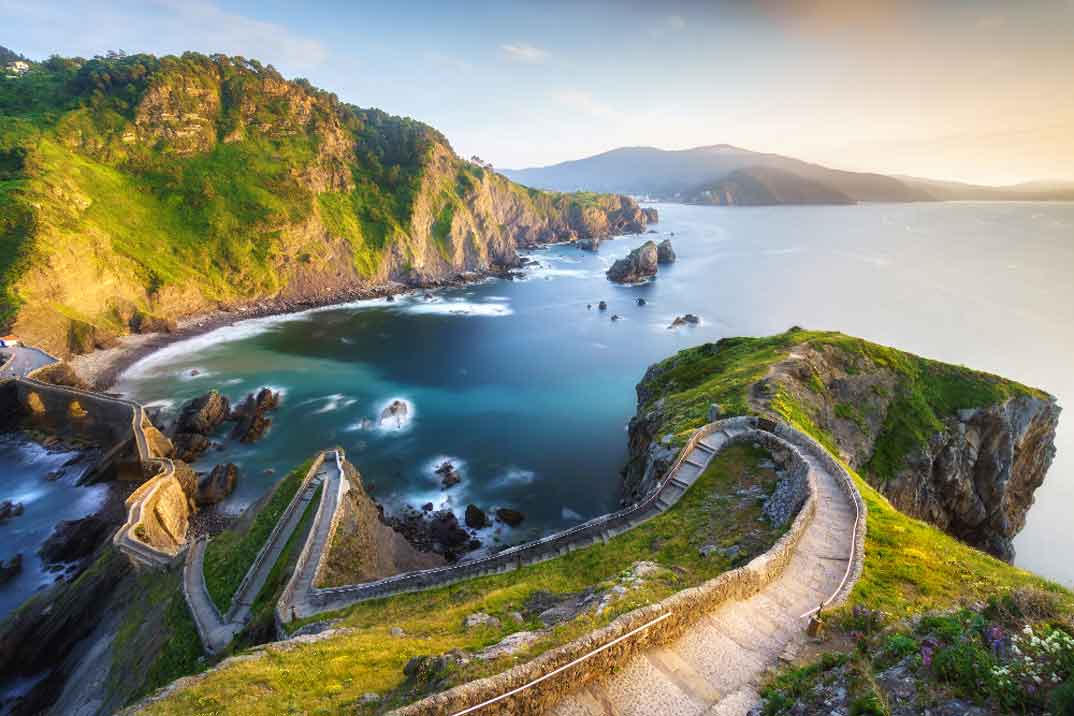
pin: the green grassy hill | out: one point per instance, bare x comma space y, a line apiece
135, 190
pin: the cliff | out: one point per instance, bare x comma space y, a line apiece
137, 190
961, 449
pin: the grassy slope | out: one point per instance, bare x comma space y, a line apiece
229, 555
329, 676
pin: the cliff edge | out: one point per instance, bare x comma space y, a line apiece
961, 449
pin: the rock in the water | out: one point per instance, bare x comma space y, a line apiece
10, 569
73, 540
188, 447
202, 415
603, 306
639, 265
511, 518
688, 319
217, 485
615, 317
251, 419
397, 412
652, 216
664, 253
588, 244
9, 509
476, 517
640, 301
445, 530
449, 477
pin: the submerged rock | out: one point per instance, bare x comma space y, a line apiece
10, 569
217, 485
689, 319
639, 265
9, 509
511, 518
397, 410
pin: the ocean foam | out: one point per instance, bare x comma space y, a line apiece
459, 308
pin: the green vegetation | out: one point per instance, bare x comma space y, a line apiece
228, 556
331, 675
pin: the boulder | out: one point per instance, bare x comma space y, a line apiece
640, 301
217, 485
397, 410
480, 619
189, 446
251, 423
445, 530
202, 415
10, 569
688, 319
9, 509
476, 517
73, 540
652, 216
511, 518
639, 265
588, 244
448, 475
664, 253
603, 306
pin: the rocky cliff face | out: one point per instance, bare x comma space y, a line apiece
162, 188
962, 450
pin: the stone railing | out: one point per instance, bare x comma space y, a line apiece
273, 536
599, 529
532, 688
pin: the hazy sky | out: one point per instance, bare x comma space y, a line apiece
979, 91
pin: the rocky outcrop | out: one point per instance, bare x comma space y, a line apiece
510, 517
10, 569
476, 518
9, 509
639, 265
396, 415
457, 218
688, 319
251, 419
665, 254
963, 450
217, 485
74, 540
203, 415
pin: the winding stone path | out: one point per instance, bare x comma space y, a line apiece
716, 668
217, 631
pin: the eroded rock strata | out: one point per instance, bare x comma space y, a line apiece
961, 449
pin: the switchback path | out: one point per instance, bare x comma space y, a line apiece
217, 631
715, 669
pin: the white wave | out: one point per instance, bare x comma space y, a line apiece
163, 404
550, 273
782, 252
398, 423
570, 515
232, 381
239, 330
347, 341
460, 308
332, 403
497, 299
516, 476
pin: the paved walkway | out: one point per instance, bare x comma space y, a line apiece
316, 543
716, 668
217, 631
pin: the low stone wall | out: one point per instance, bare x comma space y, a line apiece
569, 667
599, 529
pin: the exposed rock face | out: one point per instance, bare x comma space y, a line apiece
974, 476
664, 253
977, 476
188, 447
217, 485
588, 244
73, 540
202, 415
476, 517
251, 421
652, 216
183, 110
688, 320
638, 266
9, 509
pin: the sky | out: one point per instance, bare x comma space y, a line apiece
979, 91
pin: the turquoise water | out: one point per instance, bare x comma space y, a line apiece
529, 393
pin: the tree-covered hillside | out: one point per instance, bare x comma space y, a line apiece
137, 189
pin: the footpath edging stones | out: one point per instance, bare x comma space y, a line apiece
676, 614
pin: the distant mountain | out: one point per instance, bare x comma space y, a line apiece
758, 178
763, 186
